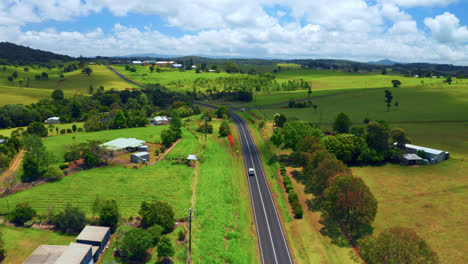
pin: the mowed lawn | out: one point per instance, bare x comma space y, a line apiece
20, 242
432, 200
57, 145
223, 230
162, 181
171, 78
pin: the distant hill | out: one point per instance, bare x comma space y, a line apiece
13, 53
385, 62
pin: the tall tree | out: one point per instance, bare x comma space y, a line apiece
388, 99
400, 136
396, 83
57, 95
326, 169
165, 248
342, 123
396, 245
135, 242
159, 213
109, 215
377, 137
119, 120
295, 131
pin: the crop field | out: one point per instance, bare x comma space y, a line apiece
171, 78
57, 144
74, 83
432, 200
21, 242
329, 79
162, 181
223, 230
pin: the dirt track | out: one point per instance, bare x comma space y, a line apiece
14, 164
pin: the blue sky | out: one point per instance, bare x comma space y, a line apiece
401, 30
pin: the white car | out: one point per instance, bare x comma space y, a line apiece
251, 172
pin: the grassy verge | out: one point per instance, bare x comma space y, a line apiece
21, 242
432, 200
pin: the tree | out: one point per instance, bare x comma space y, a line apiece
231, 67
295, 131
277, 137
307, 145
396, 83
74, 128
151, 68
71, 220
309, 92
176, 120
35, 160
342, 123
448, 80
165, 248
326, 169
279, 119
87, 71
75, 109
15, 74
221, 111
57, 95
388, 99
22, 213
119, 120
377, 137
135, 242
155, 232
159, 213
109, 215
26, 69
400, 136
37, 128
168, 137
53, 173
350, 202
142, 99
208, 128
44, 76
90, 89
224, 130
10, 78
384, 71
396, 245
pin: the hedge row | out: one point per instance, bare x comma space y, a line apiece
292, 195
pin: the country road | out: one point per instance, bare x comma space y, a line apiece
272, 243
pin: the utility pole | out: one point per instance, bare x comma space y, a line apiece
190, 211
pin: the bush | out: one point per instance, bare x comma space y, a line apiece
155, 232
53, 173
69, 130
208, 129
181, 235
165, 248
298, 212
159, 213
224, 129
22, 213
80, 129
109, 215
64, 165
62, 131
135, 242
71, 220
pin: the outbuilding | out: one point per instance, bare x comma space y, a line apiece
412, 159
77, 253
143, 148
140, 157
2, 141
123, 145
95, 236
432, 155
159, 120
52, 120
45, 254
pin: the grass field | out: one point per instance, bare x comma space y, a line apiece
223, 230
432, 200
303, 235
21, 242
7, 131
162, 181
74, 83
171, 78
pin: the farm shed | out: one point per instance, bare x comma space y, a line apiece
95, 236
433, 155
137, 62
143, 148
52, 120
76, 253
45, 254
412, 159
123, 145
140, 157
159, 120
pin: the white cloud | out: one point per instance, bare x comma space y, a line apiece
446, 28
415, 3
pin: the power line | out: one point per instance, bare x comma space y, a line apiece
190, 211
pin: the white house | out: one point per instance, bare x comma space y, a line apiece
52, 120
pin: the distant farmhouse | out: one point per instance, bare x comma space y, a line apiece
2, 141
52, 120
164, 63
137, 62
412, 152
89, 246
176, 65
123, 145
159, 120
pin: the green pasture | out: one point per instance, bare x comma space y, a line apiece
20, 242
7, 131
162, 181
289, 65
223, 225
17, 95
57, 144
432, 200
171, 78
330, 79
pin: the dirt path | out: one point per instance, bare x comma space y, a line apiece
14, 164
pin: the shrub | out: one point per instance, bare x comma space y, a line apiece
159, 213
22, 213
135, 242
109, 215
181, 235
69, 130
80, 129
53, 173
71, 220
64, 165
165, 248
155, 232
62, 131
298, 212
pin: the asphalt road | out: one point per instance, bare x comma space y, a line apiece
272, 243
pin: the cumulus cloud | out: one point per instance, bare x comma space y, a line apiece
446, 28
415, 3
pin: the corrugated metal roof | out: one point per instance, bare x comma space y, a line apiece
427, 150
161, 118
53, 118
45, 254
122, 143
74, 254
412, 157
141, 154
192, 157
93, 233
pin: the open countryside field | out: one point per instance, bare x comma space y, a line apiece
171, 78
7, 131
223, 230
74, 83
21, 242
432, 200
162, 181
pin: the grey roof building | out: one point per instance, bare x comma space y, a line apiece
97, 237
2, 141
412, 159
123, 144
159, 120
76, 253
45, 254
52, 120
433, 155
140, 157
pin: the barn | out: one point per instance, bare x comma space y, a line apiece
432, 155
159, 120
140, 157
